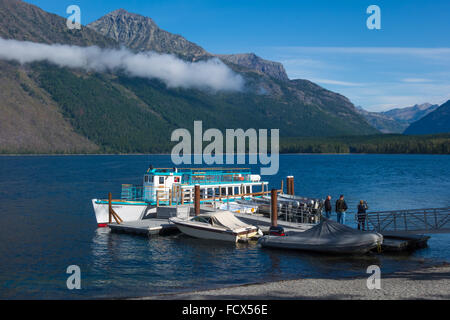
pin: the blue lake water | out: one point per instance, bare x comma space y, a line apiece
47, 223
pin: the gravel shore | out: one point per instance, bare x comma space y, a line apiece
430, 283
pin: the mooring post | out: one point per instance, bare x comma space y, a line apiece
197, 200
290, 185
111, 212
274, 207
110, 207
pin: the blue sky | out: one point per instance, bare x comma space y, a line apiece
328, 42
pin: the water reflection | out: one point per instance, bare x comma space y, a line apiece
136, 265
42, 234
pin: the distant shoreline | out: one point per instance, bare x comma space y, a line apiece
168, 154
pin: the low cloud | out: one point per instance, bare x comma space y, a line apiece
416, 80
174, 72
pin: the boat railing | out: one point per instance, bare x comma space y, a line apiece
300, 214
132, 192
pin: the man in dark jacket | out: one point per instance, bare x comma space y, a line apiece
362, 215
328, 207
341, 207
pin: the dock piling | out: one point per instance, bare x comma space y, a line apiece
290, 185
274, 207
111, 212
197, 200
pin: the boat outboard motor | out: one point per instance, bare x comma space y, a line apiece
276, 231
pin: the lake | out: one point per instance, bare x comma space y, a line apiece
47, 223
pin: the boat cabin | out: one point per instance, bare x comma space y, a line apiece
176, 185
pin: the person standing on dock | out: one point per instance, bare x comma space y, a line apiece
362, 215
341, 207
328, 207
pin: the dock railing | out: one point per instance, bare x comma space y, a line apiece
430, 220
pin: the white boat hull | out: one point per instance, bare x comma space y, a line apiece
127, 211
211, 233
204, 234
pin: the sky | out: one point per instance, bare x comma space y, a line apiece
406, 62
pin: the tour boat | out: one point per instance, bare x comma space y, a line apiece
217, 225
170, 186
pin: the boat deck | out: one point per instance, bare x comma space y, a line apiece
145, 227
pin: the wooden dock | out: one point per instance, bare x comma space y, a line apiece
146, 227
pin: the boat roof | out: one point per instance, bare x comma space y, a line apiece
198, 171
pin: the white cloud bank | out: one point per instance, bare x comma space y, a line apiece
174, 72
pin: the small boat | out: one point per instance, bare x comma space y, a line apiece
218, 225
326, 237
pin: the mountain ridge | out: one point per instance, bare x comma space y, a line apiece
113, 112
141, 33
437, 121
398, 119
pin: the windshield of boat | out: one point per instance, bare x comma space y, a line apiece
202, 219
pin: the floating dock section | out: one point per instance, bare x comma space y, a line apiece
398, 242
153, 225
146, 227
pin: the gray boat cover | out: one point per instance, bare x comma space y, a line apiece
327, 236
226, 219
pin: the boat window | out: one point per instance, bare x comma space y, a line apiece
248, 189
224, 191
202, 219
230, 191
161, 180
146, 178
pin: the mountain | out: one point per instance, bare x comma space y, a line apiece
142, 34
382, 122
437, 121
398, 119
46, 108
22, 21
411, 114
253, 62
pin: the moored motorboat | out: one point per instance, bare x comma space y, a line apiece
326, 237
218, 225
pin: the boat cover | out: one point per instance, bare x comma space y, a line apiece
226, 219
327, 236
